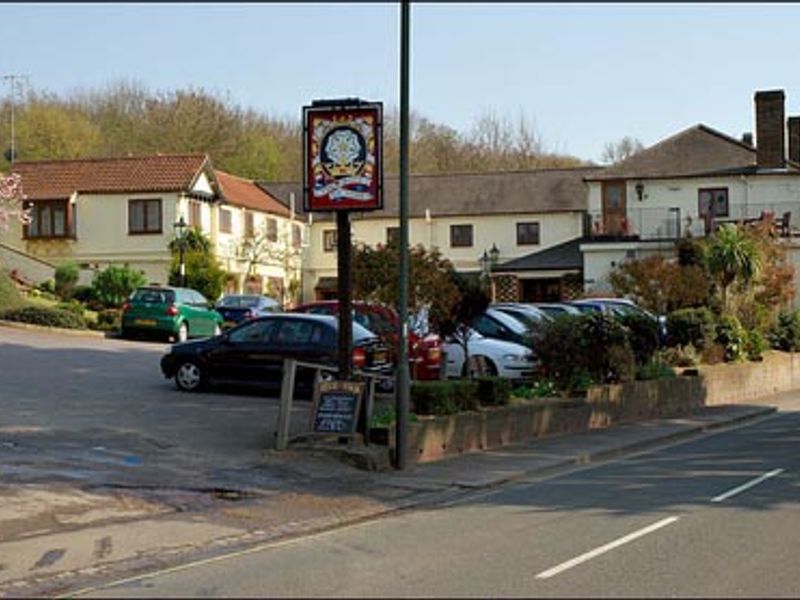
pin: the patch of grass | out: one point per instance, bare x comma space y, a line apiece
9, 295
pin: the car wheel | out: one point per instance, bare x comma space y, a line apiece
479, 366
189, 377
183, 332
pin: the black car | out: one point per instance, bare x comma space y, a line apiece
253, 352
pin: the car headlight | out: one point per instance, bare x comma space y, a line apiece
168, 349
514, 357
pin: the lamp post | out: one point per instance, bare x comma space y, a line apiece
180, 230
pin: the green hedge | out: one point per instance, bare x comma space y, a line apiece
786, 333
450, 397
49, 317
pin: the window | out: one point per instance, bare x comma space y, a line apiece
195, 214
257, 331
297, 236
272, 230
393, 235
249, 225
527, 234
460, 236
329, 240
294, 332
712, 201
144, 216
225, 220
49, 219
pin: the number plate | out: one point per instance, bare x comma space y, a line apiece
148, 322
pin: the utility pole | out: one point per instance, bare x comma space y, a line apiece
402, 386
14, 83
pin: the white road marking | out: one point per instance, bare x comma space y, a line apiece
746, 486
606, 548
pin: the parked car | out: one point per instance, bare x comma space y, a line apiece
236, 308
252, 353
424, 348
498, 358
175, 312
530, 316
494, 323
620, 307
557, 309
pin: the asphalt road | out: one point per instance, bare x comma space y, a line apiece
96, 410
717, 516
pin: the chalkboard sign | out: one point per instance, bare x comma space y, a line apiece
336, 406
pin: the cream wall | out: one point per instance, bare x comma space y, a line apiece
500, 230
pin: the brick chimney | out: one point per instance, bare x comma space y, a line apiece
794, 139
747, 138
770, 124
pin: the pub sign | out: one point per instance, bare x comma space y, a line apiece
342, 151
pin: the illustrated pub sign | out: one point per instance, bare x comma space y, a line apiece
342, 152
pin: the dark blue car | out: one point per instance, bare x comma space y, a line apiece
236, 308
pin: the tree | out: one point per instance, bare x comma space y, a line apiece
472, 302
113, 285
732, 257
263, 248
11, 201
614, 152
433, 286
203, 273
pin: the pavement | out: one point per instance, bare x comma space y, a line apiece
58, 537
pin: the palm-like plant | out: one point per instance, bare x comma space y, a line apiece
732, 256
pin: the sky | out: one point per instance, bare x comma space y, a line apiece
582, 75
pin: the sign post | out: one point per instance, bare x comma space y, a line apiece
343, 172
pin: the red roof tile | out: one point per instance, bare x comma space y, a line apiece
243, 192
49, 179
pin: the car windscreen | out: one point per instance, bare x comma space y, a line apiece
361, 333
512, 323
239, 301
153, 296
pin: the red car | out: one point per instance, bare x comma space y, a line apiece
424, 351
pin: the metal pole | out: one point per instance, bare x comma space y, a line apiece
402, 386
182, 249
343, 259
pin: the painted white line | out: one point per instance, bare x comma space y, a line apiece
606, 548
746, 486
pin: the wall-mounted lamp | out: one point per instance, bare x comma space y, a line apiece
639, 191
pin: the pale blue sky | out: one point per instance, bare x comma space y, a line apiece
583, 74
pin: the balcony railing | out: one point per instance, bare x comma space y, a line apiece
637, 224
672, 223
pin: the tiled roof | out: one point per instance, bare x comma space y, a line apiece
244, 192
50, 179
698, 150
542, 191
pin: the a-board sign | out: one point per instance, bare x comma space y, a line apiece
336, 406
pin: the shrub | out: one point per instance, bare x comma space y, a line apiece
72, 306
693, 326
786, 333
493, 391
48, 287
540, 388
643, 334
754, 344
113, 285
578, 350
731, 336
85, 295
681, 356
66, 278
465, 394
654, 370
433, 398
9, 295
49, 317
109, 319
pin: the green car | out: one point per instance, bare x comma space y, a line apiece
178, 313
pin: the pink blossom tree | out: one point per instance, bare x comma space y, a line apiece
12, 200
